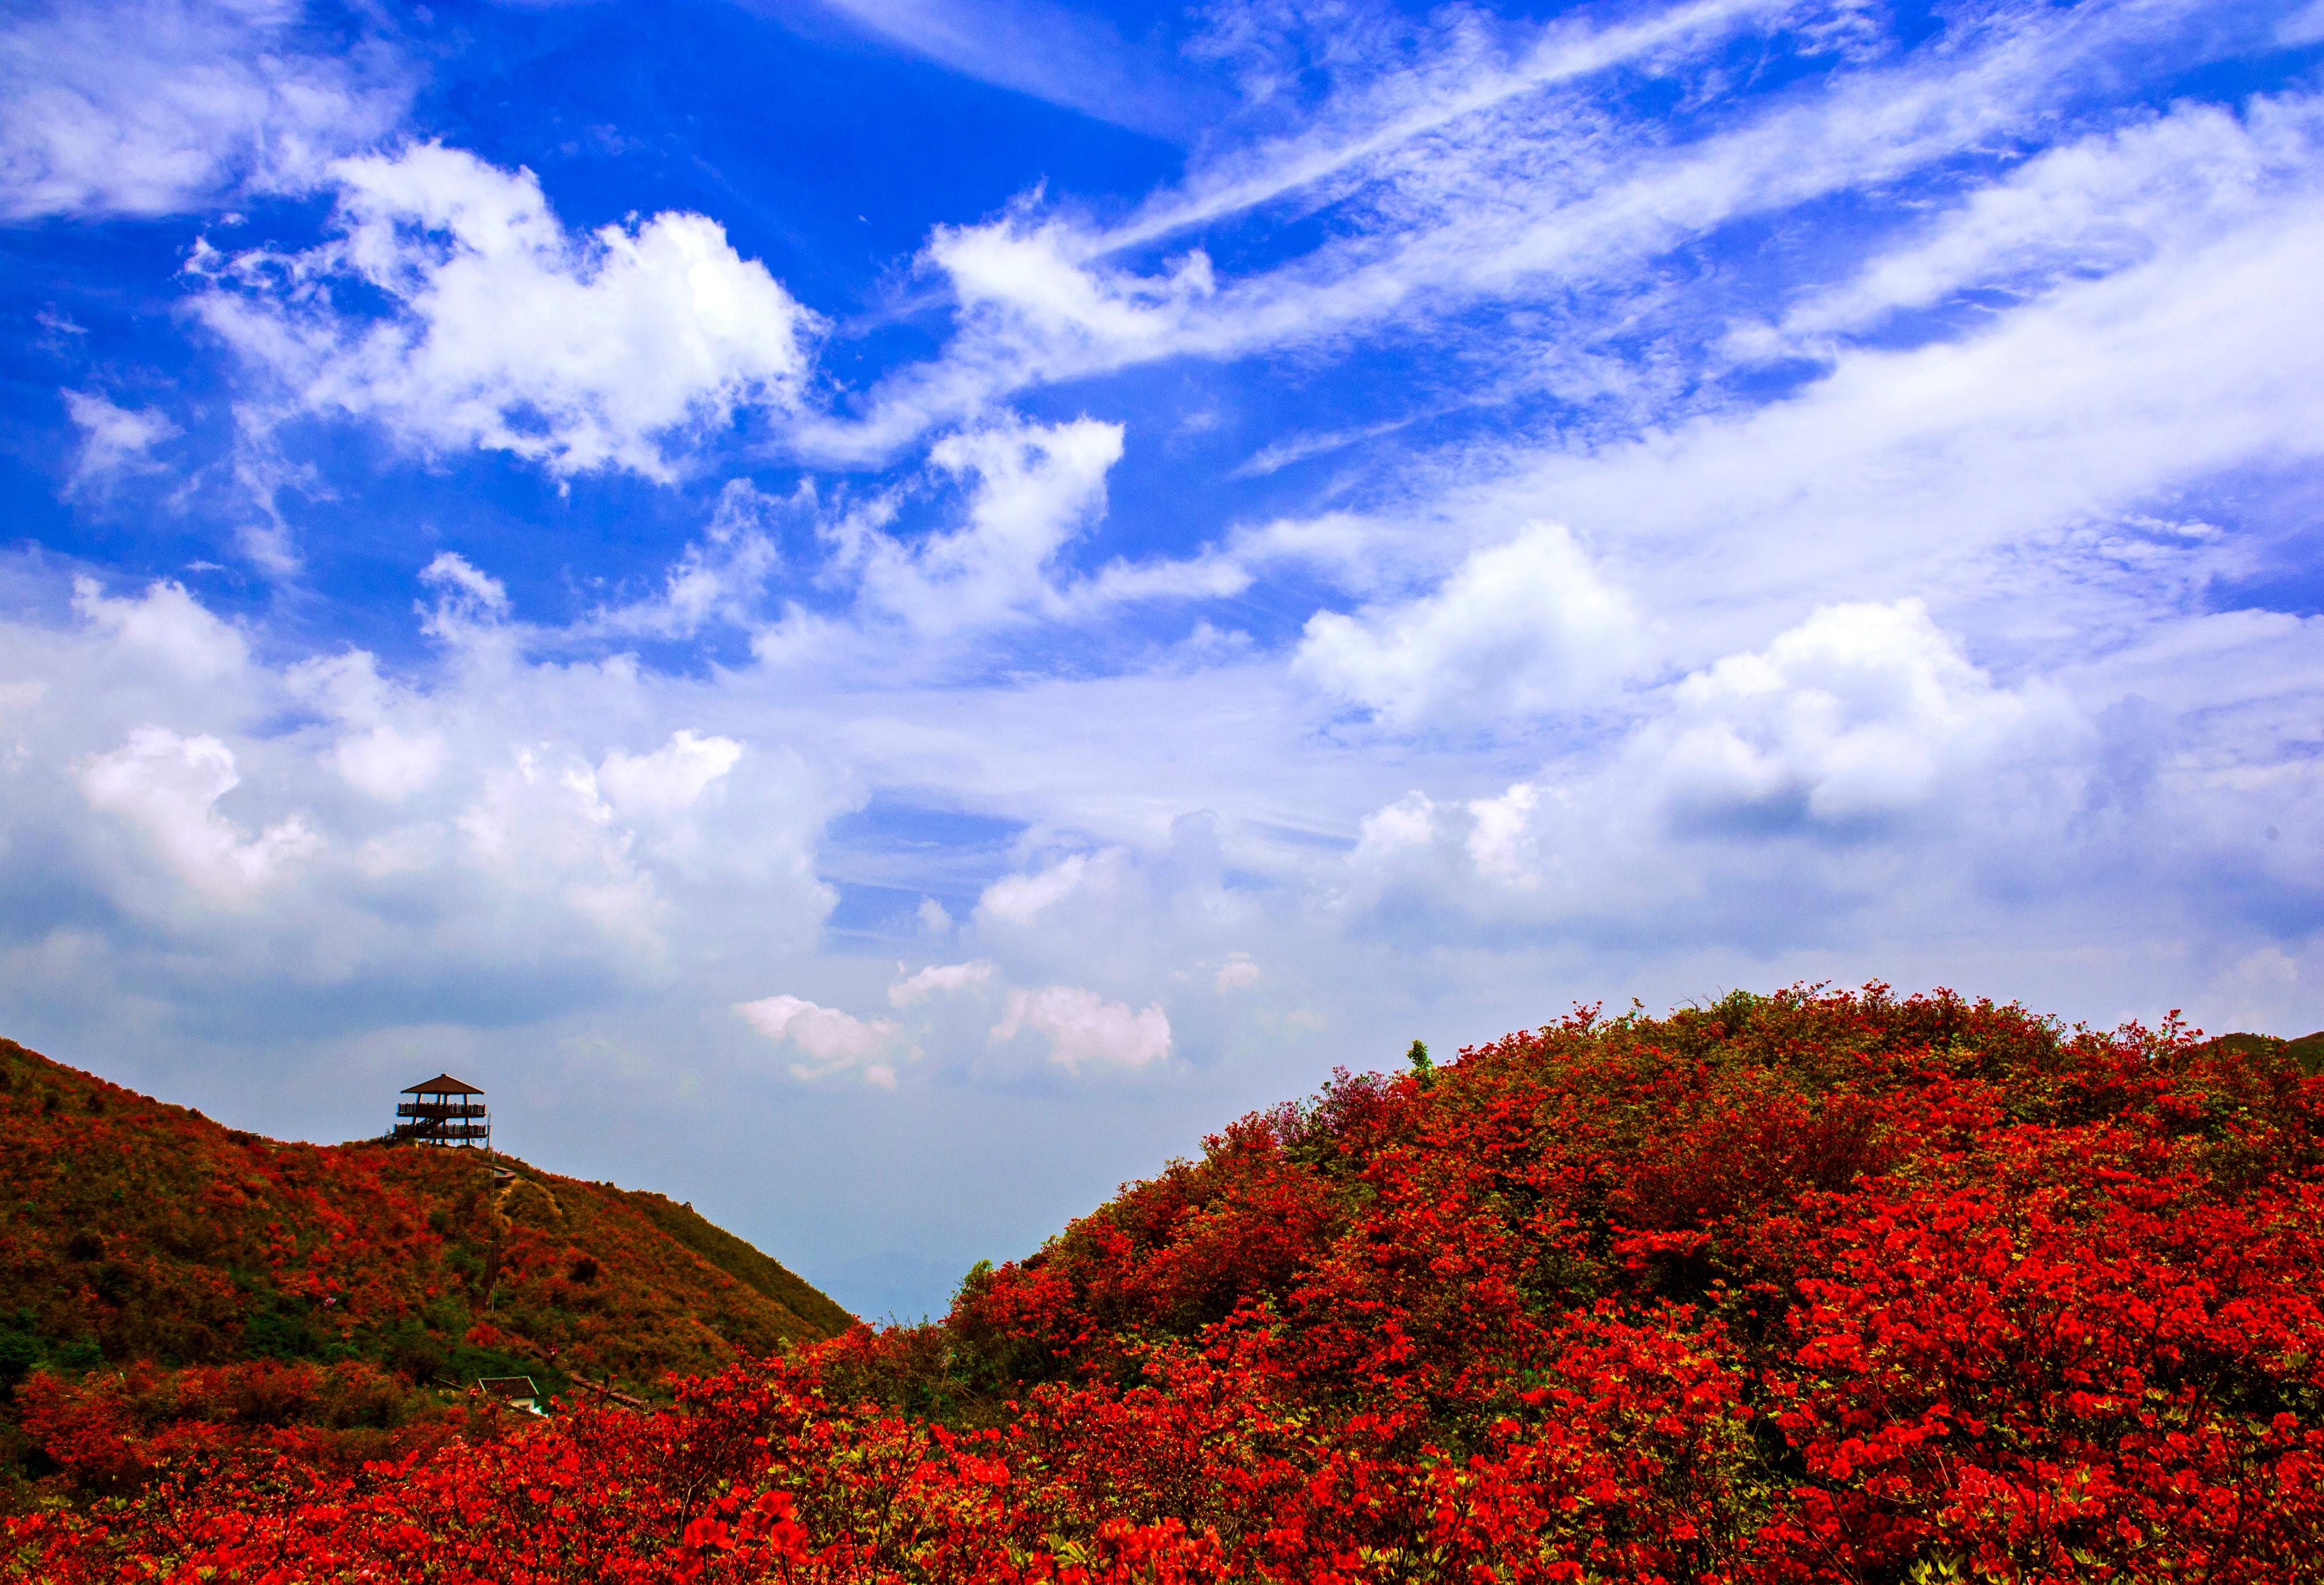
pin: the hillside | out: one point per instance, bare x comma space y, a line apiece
1809, 1289
134, 1231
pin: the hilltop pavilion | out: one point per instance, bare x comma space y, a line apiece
443, 1110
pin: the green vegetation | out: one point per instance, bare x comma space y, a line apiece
740, 1261
2307, 1052
133, 1231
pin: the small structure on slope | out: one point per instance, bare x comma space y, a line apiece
443, 1110
515, 1391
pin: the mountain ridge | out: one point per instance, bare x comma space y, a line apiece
132, 1229
1810, 1288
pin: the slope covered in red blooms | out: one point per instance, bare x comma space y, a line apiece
133, 1232
1802, 1288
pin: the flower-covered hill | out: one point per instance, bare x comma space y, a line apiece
1806, 1289
131, 1230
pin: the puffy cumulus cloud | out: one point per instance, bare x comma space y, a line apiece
1015, 501
831, 1041
389, 750
1859, 740
1517, 629
939, 980
1080, 941
508, 332
485, 834
1861, 712
1139, 914
1085, 1032
156, 106
1032, 489
388, 762
115, 439
671, 779
166, 629
1199, 891
168, 787
535, 825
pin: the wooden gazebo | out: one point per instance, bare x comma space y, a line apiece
443, 1110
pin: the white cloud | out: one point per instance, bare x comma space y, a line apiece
167, 625
939, 980
1034, 305
1034, 489
468, 599
387, 762
482, 818
671, 779
1051, 51
158, 106
717, 580
831, 1041
508, 332
1085, 1030
1030, 294
115, 439
2095, 205
2015, 452
1470, 176
1020, 900
168, 787
1237, 973
1860, 712
1859, 740
389, 751
1378, 119
1517, 629
536, 823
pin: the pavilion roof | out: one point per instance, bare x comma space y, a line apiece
443, 1085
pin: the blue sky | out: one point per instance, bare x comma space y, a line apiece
877, 612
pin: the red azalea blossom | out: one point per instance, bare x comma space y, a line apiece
1788, 1290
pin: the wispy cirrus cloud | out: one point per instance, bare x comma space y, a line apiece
116, 440
145, 107
1528, 187
1060, 53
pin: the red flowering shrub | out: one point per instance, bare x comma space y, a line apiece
134, 1231
1796, 1289
182, 1433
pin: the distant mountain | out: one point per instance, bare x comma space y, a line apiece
132, 1230
2307, 1051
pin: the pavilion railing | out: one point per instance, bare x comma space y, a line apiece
428, 1130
